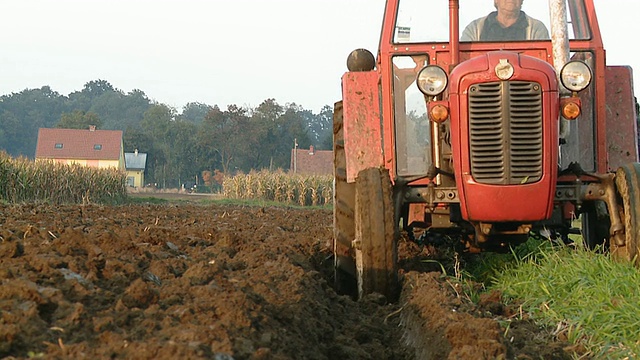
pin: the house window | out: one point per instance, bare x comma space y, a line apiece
58, 146
97, 147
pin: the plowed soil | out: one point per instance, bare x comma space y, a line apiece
205, 281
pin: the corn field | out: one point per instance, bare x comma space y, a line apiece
23, 180
295, 189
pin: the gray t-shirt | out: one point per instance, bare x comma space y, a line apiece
534, 29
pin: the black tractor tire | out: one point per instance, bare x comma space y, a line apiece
376, 244
628, 188
594, 225
344, 199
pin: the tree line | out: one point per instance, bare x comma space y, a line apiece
179, 145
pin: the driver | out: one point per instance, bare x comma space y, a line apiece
509, 23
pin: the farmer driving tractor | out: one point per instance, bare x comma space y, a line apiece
508, 23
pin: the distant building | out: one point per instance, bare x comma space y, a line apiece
90, 147
311, 161
135, 163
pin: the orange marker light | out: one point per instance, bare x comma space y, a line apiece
439, 113
571, 110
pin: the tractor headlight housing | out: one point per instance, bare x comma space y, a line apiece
575, 76
432, 80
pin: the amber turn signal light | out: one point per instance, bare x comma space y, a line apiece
570, 108
438, 113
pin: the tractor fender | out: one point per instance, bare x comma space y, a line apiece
362, 122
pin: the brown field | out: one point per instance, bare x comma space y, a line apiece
192, 281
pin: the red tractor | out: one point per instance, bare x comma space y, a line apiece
484, 142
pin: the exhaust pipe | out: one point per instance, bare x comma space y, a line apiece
560, 46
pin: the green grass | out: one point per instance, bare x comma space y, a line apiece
224, 201
266, 203
146, 200
587, 296
487, 266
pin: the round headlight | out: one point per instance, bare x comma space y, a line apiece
432, 80
575, 75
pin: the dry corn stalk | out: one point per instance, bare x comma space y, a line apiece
279, 186
23, 180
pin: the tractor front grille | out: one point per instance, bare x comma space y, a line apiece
505, 132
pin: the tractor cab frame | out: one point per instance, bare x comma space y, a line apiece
484, 142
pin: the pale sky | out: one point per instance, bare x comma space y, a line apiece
219, 52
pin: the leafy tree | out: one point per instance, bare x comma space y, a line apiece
266, 124
156, 123
108, 106
222, 138
116, 109
157, 120
79, 119
322, 128
137, 139
23, 113
210, 154
178, 146
96, 88
133, 105
277, 129
294, 129
134, 138
195, 112
184, 151
9, 132
83, 99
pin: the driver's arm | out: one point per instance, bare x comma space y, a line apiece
472, 31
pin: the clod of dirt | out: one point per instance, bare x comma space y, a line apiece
436, 329
140, 295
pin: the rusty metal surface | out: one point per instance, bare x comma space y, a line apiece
625, 245
559, 36
362, 123
343, 202
560, 44
416, 213
621, 124
605, 190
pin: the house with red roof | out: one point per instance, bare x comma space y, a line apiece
311, 161
88, 147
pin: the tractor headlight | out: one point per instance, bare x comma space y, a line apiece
432, 80
575, 76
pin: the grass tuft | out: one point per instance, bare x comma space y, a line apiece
589, 298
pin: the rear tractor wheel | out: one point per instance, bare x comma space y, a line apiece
364, 242
344, 199
628, 187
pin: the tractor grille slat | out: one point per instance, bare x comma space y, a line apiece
505, 125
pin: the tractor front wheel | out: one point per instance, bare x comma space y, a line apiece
375, 241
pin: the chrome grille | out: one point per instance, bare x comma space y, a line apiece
505, 132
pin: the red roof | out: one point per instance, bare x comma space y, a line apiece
79, 144
312, 162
